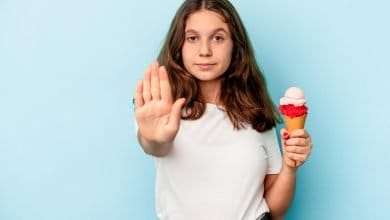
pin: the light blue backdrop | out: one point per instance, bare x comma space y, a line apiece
67, 75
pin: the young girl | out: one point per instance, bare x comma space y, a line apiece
206, 117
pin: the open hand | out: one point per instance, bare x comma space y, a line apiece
157, 117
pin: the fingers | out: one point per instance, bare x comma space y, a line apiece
146, 86
165, 87
154, 81
297, 145
302, 133
297, 157
298, 142
138, 95
298, 137
284, 134
156, 84
297, 149
175, 116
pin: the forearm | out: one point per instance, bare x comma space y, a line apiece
153, 148
280, 195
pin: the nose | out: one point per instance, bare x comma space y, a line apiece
205, 49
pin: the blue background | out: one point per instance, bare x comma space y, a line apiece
67, 75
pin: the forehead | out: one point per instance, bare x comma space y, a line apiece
205, 20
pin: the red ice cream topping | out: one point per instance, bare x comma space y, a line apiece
293, 111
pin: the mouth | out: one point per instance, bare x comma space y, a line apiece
205, 66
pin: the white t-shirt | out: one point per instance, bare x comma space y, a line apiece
214, 171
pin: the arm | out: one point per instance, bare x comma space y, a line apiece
279, 192
279, 189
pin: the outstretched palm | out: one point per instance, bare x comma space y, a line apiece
157, 117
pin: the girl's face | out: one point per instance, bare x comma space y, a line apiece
207, 48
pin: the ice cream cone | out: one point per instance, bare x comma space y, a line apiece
293, 108
293, 123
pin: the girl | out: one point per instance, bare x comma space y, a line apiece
206, 117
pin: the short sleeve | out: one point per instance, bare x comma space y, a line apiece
274, 156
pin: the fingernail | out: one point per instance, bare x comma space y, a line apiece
285, 134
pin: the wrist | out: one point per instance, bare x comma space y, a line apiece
154, 148
288, 170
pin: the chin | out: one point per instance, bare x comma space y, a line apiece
208, 78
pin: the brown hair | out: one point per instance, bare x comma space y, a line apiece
243, 91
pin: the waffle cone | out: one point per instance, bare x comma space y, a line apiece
295, 122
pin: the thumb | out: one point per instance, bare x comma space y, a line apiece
174, 117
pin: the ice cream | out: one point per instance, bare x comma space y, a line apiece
293, 108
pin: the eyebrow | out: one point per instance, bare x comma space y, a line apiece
214, 31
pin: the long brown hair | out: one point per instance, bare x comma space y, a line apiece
243, 91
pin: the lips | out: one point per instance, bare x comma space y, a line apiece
205, 66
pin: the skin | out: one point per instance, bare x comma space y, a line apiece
207, 51
207, 54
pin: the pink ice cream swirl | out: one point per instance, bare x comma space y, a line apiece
293, 104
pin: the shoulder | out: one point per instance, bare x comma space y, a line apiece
269, 136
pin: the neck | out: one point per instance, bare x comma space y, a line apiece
210, 91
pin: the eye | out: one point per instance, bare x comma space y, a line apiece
218, 38
192, 38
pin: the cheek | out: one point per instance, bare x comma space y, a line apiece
185, 54
227, 57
